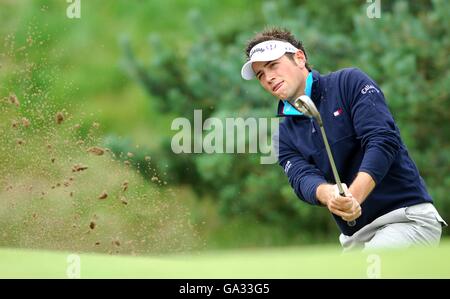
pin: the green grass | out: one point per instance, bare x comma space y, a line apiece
293, 262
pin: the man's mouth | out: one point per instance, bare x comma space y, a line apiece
277, 86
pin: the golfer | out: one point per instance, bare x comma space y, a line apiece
386, 203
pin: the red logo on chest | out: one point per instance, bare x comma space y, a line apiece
338, 112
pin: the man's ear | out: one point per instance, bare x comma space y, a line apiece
300, 58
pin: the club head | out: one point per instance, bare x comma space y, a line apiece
305, 105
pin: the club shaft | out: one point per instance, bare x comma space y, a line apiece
337, 179
333, 168
306, 106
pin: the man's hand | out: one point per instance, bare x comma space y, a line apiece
347, 207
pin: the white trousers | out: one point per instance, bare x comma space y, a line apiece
415, 225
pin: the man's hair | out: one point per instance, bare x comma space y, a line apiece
276, 33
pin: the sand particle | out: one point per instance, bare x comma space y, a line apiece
59, 117
96, 150
103, 195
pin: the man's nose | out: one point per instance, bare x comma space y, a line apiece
270, 77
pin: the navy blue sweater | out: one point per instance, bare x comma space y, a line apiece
363, 137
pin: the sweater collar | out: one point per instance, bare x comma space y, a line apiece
311, 90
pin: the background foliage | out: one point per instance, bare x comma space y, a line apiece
405, 51
134, 66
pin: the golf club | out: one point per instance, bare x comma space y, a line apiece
305, 105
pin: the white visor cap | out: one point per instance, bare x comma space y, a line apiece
265, 51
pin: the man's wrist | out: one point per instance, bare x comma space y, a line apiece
362, 186
321, 195
355, 194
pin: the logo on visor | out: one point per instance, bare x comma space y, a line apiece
256, 50
268, 47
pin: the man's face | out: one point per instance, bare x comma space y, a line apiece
283, 78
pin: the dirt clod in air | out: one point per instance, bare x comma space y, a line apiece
96, 150
92, 225
103, 195
14, 100
59, 117
79, 167
130, 155
125, 186
25, 122
147, 158
123, 200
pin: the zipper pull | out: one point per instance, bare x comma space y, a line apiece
313, 129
